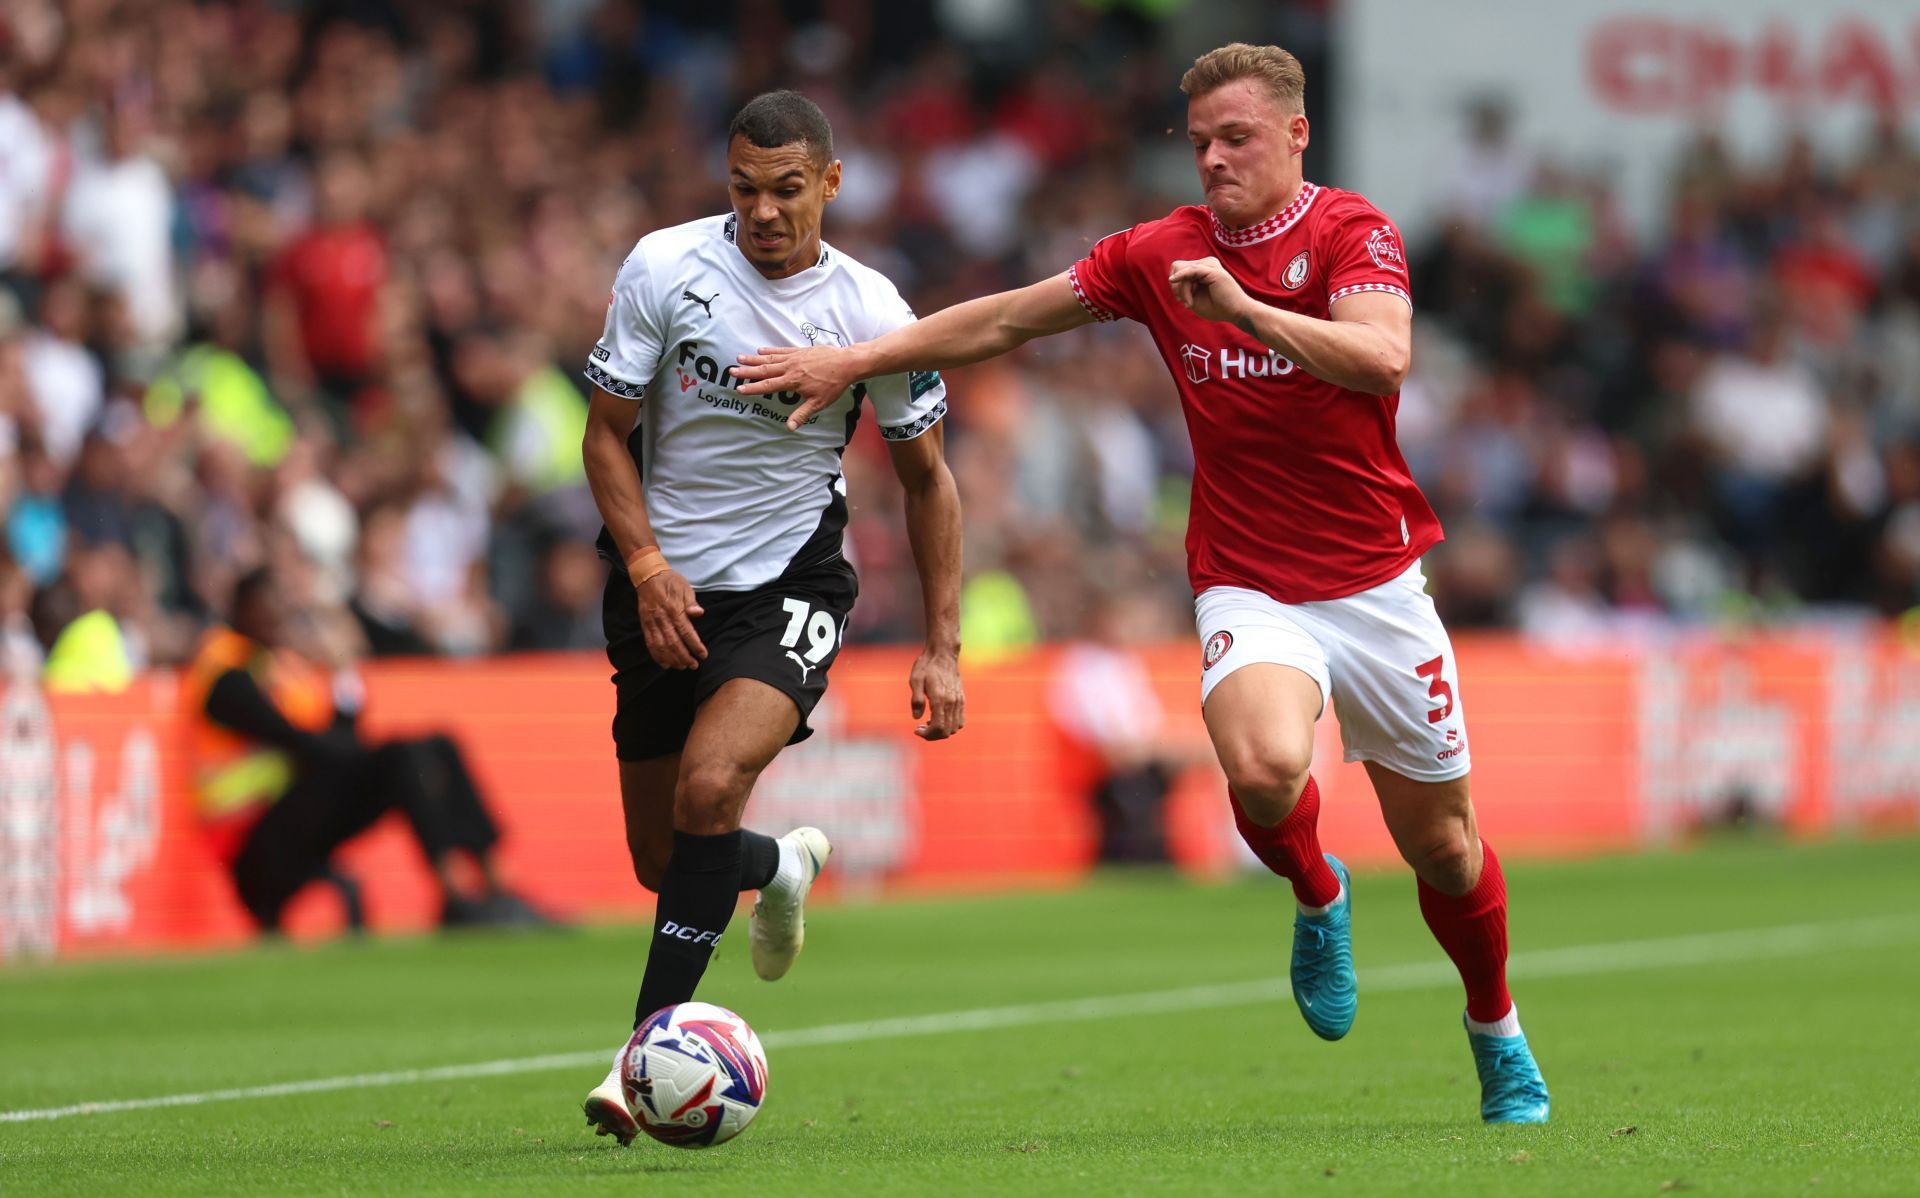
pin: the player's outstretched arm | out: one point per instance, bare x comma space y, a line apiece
933, 529
958, 336
667, 603
1365, 347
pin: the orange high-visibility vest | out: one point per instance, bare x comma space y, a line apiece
236, 779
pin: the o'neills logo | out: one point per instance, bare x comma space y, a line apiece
1217, 646
1204, 365
1297, 271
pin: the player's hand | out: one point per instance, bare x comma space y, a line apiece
938, 697
819, 375
1205, 286
667, 608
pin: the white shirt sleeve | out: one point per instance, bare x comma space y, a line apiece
909, 404
629, 351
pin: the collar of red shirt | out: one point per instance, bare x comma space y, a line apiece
1273, 226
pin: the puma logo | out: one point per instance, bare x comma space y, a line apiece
705, 304
805, 668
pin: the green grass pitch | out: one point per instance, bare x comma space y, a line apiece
1739, 1020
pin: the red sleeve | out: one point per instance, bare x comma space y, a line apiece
1103, 281
1366, 253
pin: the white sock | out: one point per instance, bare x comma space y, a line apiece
788, 875
1306, 910
1508, 1025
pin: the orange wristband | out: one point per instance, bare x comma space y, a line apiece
646, 563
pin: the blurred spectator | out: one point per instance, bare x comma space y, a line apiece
1764, 418
566, 610
83, 620
118, 221
1492, 169
65, 380
323, 317
1103, 700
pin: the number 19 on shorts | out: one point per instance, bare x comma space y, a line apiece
815, 623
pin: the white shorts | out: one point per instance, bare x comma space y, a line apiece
1382, 656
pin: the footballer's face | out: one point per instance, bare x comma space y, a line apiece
779, 195
1247, 148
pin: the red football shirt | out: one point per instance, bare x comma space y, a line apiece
1299, 489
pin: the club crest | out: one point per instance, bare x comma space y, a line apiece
1295, 276
1217, 646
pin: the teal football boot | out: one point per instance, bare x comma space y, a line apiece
1511, 1088
1323, 982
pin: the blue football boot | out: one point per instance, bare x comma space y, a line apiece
1511, 1088
1323, 982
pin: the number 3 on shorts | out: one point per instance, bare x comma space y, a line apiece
1439, 690
820, 630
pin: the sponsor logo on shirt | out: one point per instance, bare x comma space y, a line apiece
1383, 246
1297, 271
1233, 363
1217, 646
1198, 362
697, 369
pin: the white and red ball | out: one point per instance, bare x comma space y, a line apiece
695, 1075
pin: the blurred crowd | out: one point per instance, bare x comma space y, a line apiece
1717, 423
309, 286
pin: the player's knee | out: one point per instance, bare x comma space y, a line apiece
1448, 862
1267, 777
710, 797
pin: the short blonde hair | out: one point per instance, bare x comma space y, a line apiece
1275, 69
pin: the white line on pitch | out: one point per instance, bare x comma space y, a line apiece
1751, 944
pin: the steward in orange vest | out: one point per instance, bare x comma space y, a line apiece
282, 778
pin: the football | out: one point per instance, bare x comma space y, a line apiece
695, 1075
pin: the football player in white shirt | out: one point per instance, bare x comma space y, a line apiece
730, 594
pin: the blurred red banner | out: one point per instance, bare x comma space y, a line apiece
1573, 753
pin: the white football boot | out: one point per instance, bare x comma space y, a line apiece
606, 1106
779, 924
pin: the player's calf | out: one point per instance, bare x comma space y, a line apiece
1291, 847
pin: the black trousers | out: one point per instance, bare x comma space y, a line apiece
1131, 805
427, 780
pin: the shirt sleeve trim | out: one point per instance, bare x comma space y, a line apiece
1389, 288
907, 432
613, 386
1080, 293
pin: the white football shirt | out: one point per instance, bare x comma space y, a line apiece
735, 499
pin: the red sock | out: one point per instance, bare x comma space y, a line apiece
1473, 929
1291, 848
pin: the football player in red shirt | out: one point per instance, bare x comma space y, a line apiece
1283, 311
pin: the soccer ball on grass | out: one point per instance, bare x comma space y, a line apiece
695, 1075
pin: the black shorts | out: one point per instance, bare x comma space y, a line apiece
785, 634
